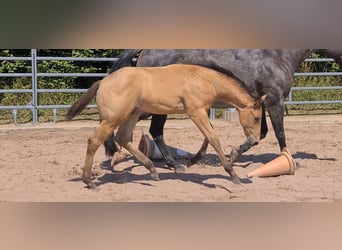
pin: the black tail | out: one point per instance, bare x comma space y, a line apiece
125, 59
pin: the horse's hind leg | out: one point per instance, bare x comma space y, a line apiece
200, 118
94, 142
119, 156
123, 137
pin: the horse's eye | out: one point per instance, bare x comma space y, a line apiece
256, 119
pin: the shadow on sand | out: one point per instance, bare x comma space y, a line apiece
126, 176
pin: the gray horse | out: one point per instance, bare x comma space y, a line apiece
263, 71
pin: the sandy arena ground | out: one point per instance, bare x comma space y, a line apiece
44, 163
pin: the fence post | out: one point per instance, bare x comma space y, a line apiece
212, 115
34, 86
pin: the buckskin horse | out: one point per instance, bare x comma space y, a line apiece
261, 71
190, 89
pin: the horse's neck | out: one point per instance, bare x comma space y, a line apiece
230, 92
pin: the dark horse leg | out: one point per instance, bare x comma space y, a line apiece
110, 146
276, 113
234, 154
156, 130
264, 128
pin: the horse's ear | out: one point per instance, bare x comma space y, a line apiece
263, 98
260, 101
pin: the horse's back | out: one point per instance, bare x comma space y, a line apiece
175, 74
174, 84
159, 89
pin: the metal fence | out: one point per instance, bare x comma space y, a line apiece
290, 98
34, 74
35, 91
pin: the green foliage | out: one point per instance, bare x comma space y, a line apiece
317, 81
13, 67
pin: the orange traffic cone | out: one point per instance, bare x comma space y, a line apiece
283, 164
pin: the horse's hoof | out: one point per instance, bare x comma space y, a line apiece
190, 162
236, 180
179, 169
155, 176
90, 184
234, 155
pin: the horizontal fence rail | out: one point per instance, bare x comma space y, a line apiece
291, 101
34, 90
34, 106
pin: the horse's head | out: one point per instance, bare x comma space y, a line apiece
250, 120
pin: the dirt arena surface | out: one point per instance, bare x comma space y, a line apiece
44, 163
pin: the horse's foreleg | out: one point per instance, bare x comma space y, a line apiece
276, 113
200, 118
236, 153
123, 137
264, 128
201, 153
94, 142
156, 130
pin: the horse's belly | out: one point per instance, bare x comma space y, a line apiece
163, 108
